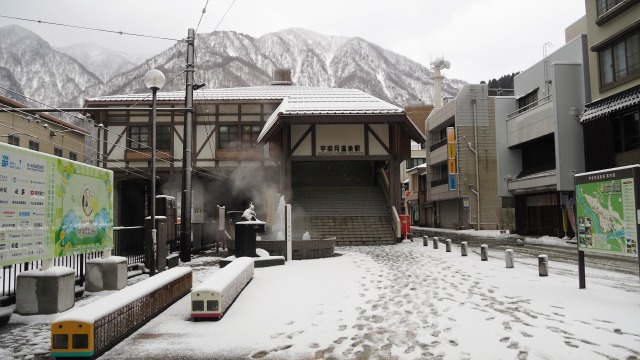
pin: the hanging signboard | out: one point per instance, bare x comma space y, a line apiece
451, 155
51, 206
453, 181
607, 210
451, 151
452, 166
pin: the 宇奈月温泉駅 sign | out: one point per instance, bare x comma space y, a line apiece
52, 206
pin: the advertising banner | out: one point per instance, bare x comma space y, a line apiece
51, 206
607, 210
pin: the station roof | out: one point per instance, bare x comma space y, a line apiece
296, 101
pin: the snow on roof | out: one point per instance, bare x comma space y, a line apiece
98, 309
302, 99
223, 278
296, 100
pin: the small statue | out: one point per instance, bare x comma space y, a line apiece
250, 214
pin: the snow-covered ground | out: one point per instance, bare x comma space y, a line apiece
405, 302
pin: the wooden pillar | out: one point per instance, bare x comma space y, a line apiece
394, 169
285, 165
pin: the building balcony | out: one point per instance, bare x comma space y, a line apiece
531, 122
438, 155
539, 182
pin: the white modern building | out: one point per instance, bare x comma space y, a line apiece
539, 139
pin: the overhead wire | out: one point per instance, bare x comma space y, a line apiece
195, 61
90, 28
62, 146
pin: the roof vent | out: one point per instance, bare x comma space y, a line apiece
281, 77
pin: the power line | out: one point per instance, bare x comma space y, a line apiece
171, 160
90, 28
225, 14
201, 16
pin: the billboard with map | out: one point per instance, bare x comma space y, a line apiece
51, 206
607, 210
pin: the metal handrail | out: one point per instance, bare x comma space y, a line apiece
395, 222
534, 104
438, 144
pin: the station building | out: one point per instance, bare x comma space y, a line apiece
334, 154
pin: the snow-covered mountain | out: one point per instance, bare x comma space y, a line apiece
43, 73
31, 66
103, 62
231, 59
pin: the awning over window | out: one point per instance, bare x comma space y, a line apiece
614, 103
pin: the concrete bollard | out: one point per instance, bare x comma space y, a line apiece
508, 258
448, 245
425, 240
435, 242
464, 248
484, 252
543, 265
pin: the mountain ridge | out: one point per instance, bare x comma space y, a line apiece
223, 59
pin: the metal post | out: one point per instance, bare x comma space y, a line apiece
152, 252
185, 238
582, 279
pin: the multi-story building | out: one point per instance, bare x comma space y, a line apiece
41, 132
461, 158
539, 139
611, 122
414, 170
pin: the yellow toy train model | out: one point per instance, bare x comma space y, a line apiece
90, 330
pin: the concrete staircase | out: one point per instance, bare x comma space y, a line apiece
354, 215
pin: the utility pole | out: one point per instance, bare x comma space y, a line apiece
185, 225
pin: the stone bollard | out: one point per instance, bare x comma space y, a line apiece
435, 242
484, 252
464, 248
543, 265
508, 258
448, 245
425, 240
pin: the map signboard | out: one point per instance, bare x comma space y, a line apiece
607, 210
51, 206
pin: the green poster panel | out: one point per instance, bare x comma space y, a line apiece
51, 206
607, 211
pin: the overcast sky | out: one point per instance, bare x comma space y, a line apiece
482, 39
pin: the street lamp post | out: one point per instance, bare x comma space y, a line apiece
154, 79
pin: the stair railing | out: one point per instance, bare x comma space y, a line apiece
395, 222
395, 218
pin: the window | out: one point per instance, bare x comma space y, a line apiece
620, 61
606, 5
413, 162
34, 145
250, 136
57, 152
626, 132
138, 137
538, 155
228, 137
13, 140
163, 137
525, 102
73, 156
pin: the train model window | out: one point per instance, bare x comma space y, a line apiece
212, 305
60, 341
80, 341
197, 305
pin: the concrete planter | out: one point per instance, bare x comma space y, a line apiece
302, 249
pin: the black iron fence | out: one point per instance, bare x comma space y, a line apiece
127, 242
